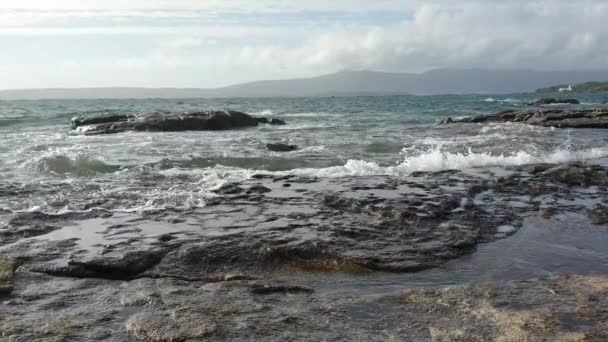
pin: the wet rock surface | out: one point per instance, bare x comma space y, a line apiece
567, 308
550, 101
560, 118
256, 261
279, 147
564, 308
168, 122
7, 269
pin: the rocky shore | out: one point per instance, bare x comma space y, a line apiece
168, 122
552, 101
559, 118
265, 257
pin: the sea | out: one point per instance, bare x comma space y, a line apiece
336, 136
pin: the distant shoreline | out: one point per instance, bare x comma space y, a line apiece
340, 84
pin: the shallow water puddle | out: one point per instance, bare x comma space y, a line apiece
566, 244
101, 235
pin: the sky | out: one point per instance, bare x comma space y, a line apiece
211, 43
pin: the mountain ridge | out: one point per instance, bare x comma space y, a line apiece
342, 83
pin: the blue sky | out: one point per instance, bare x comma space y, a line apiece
209, 43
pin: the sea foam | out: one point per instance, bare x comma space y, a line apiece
438, 160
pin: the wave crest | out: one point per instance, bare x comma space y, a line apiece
439, 160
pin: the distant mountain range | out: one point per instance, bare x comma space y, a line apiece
344, 83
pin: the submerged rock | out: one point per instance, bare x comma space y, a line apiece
265, 289
169, 122
281, 147
560, 118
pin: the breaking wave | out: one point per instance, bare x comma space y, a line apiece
266, 112
438, 160
491, 99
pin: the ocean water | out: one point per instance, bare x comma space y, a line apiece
46, 167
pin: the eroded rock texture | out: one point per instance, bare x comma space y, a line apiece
168, 122
298, 258
560, 118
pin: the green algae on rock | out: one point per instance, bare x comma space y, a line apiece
7, 269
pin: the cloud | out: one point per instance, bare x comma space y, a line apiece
232, 41
219, 5
473, 35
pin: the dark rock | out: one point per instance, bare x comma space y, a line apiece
126, 267
101, 119
548, 101
265, 289
258, 189
272, 121
169, 122
229, 189
586, 118
281, 147
166, 238
599, 214
578, 174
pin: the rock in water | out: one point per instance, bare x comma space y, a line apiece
560, 118
549, 101
79, 121
281, 147
169, 122
272, 121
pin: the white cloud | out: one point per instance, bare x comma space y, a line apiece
228, 31
474, 35
542, 34
220, 5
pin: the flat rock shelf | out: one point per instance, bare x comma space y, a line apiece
302, 258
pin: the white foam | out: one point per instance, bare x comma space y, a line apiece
491, 99
306, 126
438, 160
432, 160
317, 148
307, 114
266, 112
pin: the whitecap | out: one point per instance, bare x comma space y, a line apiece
438, 160
306, 114
266, 112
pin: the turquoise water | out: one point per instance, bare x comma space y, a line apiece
337, 136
